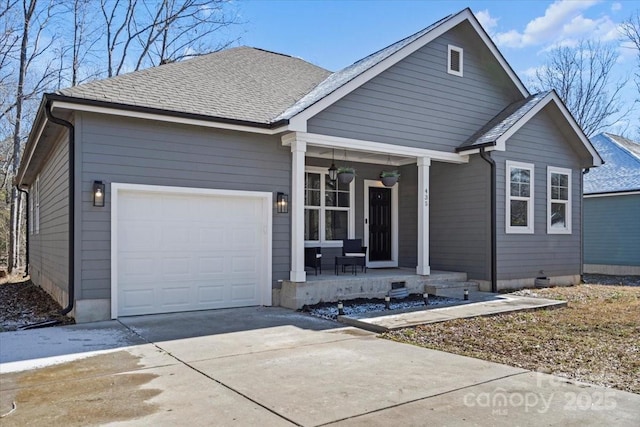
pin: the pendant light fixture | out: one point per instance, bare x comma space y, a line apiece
333, 170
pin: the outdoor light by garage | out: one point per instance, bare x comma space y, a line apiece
98, 194
282, 202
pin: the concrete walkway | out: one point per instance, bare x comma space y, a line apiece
480, 304
275, 367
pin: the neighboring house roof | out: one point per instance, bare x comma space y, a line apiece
621, 171
241, 83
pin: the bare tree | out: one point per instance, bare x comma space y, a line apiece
581, 76
34, 17
140, 34
631, 31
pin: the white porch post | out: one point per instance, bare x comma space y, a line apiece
298, 150
423, 268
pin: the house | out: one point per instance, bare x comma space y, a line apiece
197, 185
612, 208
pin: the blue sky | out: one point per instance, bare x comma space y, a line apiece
334, 34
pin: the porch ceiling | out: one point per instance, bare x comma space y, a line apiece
358, 156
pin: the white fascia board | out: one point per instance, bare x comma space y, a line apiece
620, 193
36, 139
501, 141
552, 96
299, 121
164, 118
597, 160
477, 150
496, 53
372, 147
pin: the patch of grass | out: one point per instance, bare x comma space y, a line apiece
595, 339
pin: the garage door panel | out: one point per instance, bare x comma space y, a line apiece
211, 294
172, 298
180, 252
133, 301
210, 265
139, 269
242, 292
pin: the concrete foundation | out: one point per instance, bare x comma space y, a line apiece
571, 280
373, 284
92, 310
612, 270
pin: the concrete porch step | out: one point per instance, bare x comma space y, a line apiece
451, 289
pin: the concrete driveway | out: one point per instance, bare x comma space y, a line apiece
273, 367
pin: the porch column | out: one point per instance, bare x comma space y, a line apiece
298, 150
423, 268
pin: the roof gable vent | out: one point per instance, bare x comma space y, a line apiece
454, 60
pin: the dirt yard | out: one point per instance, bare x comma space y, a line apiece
596, 339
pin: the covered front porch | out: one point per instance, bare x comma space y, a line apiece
396, 231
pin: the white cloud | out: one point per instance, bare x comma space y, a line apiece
548, 28
563, 24
616, 7
486, 20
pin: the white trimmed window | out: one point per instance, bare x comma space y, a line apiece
455, 60
328, 209
520, 191
36, 206
30, 213
558, 200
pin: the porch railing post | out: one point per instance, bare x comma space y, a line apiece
424, 164
298, 150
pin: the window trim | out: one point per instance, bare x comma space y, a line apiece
322, 208
568, 202
36, 207
529, 229
460, 51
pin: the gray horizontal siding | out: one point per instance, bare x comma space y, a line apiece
153, 153
459, 218
417, 103
612, 230
525, 255
48, 249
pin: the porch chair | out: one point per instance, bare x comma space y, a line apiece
357, 254
313, 259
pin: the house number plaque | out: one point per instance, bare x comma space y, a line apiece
426, 197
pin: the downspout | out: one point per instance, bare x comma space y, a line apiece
26, 234
584, 172
494, 245
72, 203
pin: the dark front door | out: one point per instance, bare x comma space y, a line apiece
379, 224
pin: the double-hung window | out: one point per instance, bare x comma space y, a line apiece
558, 200
520, 191
328, 209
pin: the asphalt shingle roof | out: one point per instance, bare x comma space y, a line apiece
621, 170
502, 122
241, 83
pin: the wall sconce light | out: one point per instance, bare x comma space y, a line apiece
98, 194
282, 202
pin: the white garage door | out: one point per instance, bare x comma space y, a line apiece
180, 251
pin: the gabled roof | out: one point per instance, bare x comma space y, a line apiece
350, 78
499, 129
242, 83
621, 171
506, 120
